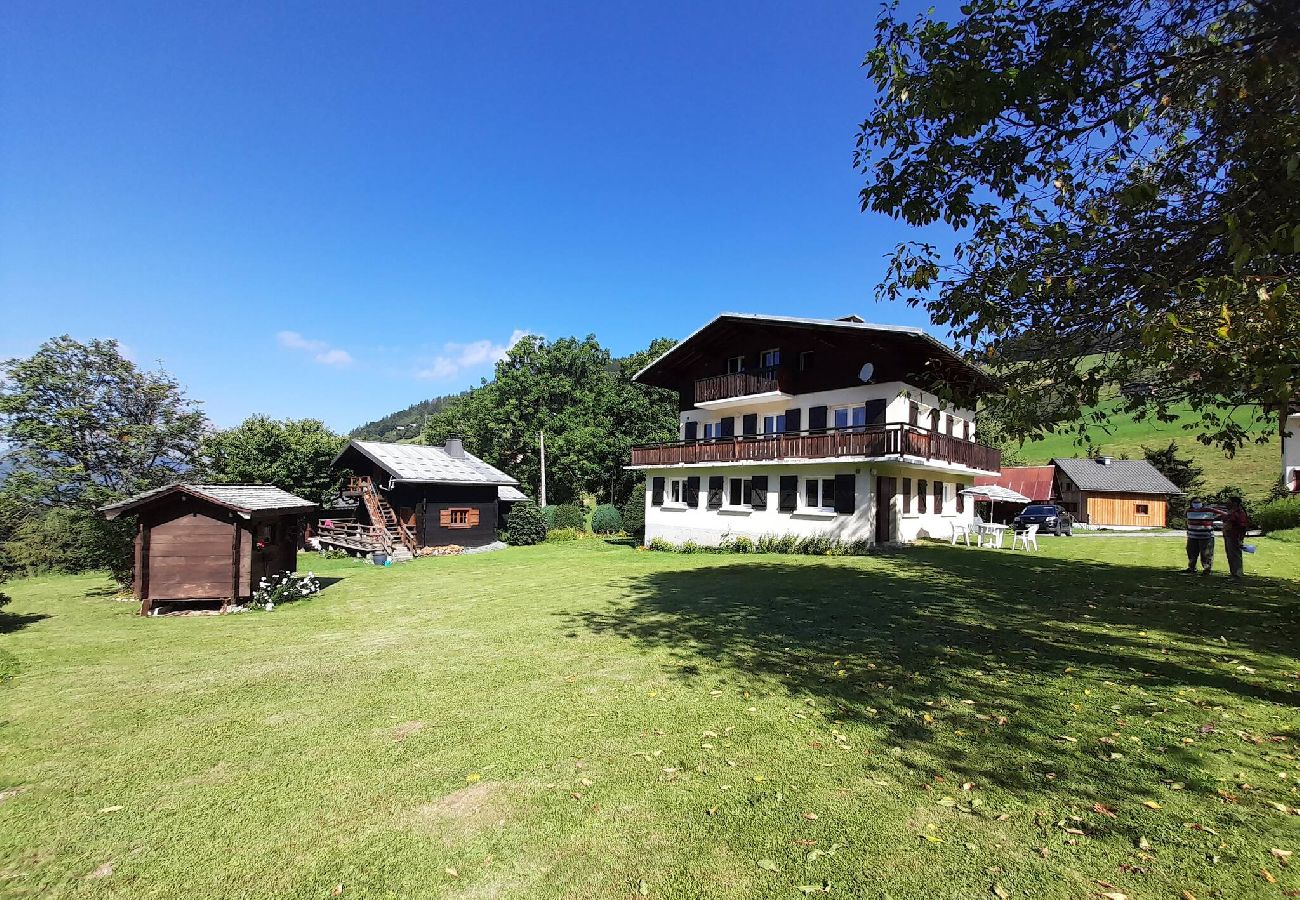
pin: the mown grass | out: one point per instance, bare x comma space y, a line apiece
1255, 468
586, 720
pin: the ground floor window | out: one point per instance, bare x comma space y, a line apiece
741, 492
819, 493
675, 490
1142, 509
458, 518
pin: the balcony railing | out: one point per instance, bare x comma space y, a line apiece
738, 384
871, 441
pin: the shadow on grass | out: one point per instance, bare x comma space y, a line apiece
966, 656
11, 622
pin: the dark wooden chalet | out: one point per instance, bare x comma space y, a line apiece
210, 542
414, 497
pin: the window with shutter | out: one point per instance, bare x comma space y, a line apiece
965, 431
458, 518
657, 491
938, 498
728, 426
817, 418
692, 430
444, 517
741, 493
846, 493
961, 499
693, 491
716, 483
789, 500
907, 496
793, 421
876, 412
913, 412
921, 495
749, 424
758, 491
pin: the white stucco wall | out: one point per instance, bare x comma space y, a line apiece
895, 392
678, 523
1291, 450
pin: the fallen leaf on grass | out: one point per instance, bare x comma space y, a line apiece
109, 809
810, 816
1151, 804
642, 889
1114, 895
337, 891
1188, 895
102, 871
1144, 844
452, 872
1104, 810
473, 777
1268, 876
1283, 856
1000, 892
768, 865
809, 889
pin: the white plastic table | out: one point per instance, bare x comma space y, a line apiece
993, 531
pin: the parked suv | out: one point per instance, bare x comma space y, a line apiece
1049, 518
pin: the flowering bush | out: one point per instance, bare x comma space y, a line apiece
282, 588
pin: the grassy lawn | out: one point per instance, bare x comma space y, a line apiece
1255, 468
585, 720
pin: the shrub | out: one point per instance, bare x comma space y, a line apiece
860, 547
548, 516
815, 545
570, 515
787, 543
561, 535
1277, 515
634, 513
527, 525
690, 547
334, 553
606, 519
283, 588
1289, 535
661, 545
739, 544
68, 539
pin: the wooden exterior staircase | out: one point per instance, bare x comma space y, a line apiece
386, 532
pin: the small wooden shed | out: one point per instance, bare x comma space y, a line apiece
210, 542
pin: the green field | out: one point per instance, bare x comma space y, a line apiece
1255, 468
588, 720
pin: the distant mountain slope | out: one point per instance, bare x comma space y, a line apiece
403, 424
1254, 469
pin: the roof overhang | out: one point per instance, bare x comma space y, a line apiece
906, 332
111, 511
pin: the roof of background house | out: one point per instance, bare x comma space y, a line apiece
844, 323
1120, 476
1035, 482
510, 494
422, 463
242, 498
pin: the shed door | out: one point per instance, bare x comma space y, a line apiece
189, 558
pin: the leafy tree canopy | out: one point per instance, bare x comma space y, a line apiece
1124, 180
85, 426
293, 454
585, 401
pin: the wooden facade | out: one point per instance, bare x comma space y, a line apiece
190, 547
1111, 508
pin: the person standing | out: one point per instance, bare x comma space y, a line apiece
1235, 523
1200, 537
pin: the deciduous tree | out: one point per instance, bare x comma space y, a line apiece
1123, 177
292, 454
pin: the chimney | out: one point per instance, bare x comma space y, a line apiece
1105, 460
453, 447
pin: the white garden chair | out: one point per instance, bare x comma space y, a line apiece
1028, 537
961, 529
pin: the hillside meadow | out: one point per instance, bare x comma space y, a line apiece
590, 720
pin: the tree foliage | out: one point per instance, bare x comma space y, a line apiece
585, 401
292, 454
1124, 180
85, 426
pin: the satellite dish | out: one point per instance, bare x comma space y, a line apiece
865, 373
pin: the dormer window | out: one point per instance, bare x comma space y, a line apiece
770, 359
735, 364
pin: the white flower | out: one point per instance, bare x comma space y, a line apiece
270, 606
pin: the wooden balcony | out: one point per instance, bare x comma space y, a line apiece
871, 442
738, 384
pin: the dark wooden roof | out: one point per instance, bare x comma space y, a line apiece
244, 499
900, 352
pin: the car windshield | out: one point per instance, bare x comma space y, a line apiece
1040, 511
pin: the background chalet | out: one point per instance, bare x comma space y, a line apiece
813, 426
413, 496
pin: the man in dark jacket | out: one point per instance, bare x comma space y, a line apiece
1235, 523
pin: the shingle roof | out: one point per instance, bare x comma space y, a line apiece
1034, 482
420, 463
510, 494
243, 498
1121, 476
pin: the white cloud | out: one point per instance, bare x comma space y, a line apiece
320, 351
455, 358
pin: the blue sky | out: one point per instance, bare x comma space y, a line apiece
316, 210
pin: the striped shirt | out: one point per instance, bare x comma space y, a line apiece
1200, 523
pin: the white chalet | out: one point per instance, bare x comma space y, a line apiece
813, 426
1291, 449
